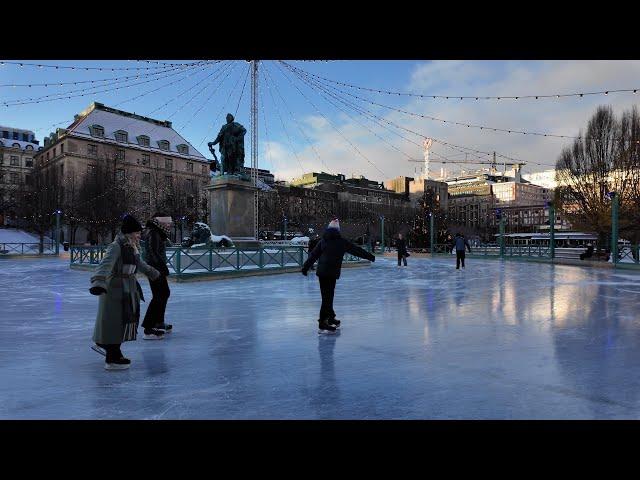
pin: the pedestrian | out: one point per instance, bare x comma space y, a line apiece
459, 242
120, 293
158, 231
401, 243
329, 252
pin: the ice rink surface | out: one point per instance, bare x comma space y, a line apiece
499, 340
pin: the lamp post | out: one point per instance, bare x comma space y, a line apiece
499, 215
552, 230
432, 233
382, 232
614, 226
284, 218
58, 213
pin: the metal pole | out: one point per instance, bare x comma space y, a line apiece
58, 232
285, 229
382, 233
501, 236
254, 143
431, 246
614, 228
552, 232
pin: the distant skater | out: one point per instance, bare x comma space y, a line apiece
459, 242
329, 252
120, 293
402, 250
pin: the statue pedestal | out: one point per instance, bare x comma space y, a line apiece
231, 203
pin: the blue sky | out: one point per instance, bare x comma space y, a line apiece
320, 136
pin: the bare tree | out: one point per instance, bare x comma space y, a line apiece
601, 161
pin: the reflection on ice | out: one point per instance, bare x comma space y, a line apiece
496, 340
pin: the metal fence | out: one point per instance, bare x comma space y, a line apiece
48, 248
209, 260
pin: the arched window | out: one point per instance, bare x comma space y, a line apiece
29, 147
122, 136
184, 149
16, 145
143, 141
163, 144
97, 131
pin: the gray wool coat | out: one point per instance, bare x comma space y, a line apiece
110, 322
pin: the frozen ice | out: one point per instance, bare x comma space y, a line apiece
498, 340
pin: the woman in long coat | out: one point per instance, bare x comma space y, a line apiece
120, 293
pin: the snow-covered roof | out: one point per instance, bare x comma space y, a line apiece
113, 120
8, 142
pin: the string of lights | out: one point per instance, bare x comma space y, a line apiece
242, 91
297, 122
82, 82
471, 97
206, 102
452, 122
273, 100
77, 67
448, 144
87, 89
337, 129
266, 130
47, 98
214, 123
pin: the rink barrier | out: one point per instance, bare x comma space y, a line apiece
183, 262
628, 256
16, 248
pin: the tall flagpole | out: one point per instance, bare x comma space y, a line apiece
254, 143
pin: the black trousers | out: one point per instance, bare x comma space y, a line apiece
327, 288
158, 304
459, 258
402, 257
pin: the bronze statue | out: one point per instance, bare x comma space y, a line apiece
231, 140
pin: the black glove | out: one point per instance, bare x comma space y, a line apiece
97, 290
373, 258
304, 272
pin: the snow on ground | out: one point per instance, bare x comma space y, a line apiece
12, 235
498, 340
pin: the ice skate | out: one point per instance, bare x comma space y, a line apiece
99, 350
165, 327
120, 364
325, 328
335, 322
153, 334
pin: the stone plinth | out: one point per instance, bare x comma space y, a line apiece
231, 203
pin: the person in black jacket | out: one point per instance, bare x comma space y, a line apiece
329, 253
401, 243
312, 244
459, 243
155, 241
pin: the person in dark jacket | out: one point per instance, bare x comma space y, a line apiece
312, 244
459, 242
114, 281
329, 252
401, 244
158, 229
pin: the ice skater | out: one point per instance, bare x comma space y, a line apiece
459, 242
329, 252
120, 293
158, 230
401, 243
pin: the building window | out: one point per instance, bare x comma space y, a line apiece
168, 164
122, 136
15, 178
16, 145
189, 166
189, 201
5, 134
146, 159
15, 161
146, 178
184, 149
168, 180
91, 169
27, 179
62, 169
189, 184
120, 154
204, 169
163, 144
28, 147
61, 148
54, 152
143, 141
97, 131
120, 174
146, 197
92, 150
15, 135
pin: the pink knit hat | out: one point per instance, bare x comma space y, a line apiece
334, 223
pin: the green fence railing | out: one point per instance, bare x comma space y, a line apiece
208, 260
15, 248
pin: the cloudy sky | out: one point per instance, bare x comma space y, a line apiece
307, 126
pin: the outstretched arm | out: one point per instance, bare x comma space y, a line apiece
358, 252
313, 256
99, 278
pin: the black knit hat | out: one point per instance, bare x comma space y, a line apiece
130, 224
